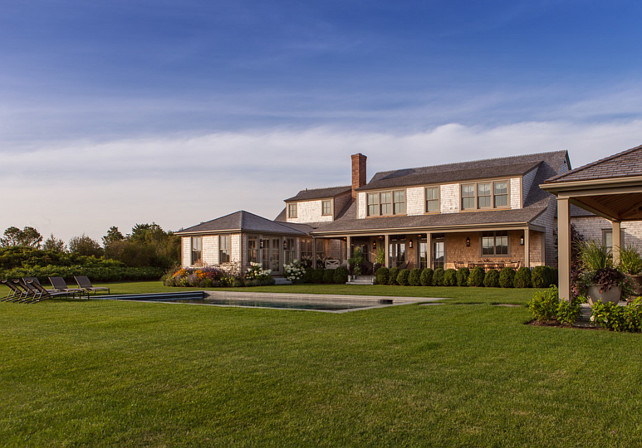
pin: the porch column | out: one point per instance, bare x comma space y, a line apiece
429, 250
314, 253
385, 249
348, 241
564, 247
527, 247
617, 240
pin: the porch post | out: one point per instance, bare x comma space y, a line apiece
314, 253
564, 247
385, 249
348, 241
527, 247
617, 240
429, 250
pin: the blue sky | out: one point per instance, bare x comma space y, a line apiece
179, 112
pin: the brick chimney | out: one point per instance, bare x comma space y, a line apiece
358, 172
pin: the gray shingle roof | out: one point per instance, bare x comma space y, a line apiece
624, 164
319, 193
350, 224
455, 172
246, 222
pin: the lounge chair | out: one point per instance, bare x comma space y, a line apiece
16, 292
61, 286
84, 283
47, 293
22, 293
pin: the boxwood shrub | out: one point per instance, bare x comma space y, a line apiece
476, 277
450, 277
316, 275
340, 276
522, 278
382, 275
426, 277
491, 280
402, 277
507, 278
328, 276
462, 276
541, 277
414, 279
392, 276
438, 277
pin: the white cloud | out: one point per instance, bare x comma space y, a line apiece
76, 187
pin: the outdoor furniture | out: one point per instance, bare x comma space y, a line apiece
330, 263
61, 286
15, 294
48, 294
85, 284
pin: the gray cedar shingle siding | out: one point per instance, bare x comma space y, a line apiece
623, 164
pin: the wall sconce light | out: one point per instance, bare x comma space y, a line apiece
261, 244
521, 240
285, 244
410, 244
467, 241
374, 245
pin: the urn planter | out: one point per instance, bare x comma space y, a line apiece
612, 294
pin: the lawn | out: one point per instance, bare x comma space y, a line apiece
465, 373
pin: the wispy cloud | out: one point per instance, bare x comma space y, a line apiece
84, 186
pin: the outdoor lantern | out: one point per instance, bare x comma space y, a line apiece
467, 241
374, 245
285, 244
260, 244
410, 244
521, 240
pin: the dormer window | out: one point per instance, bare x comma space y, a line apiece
292, 210
387, 203
484, 195
326, 208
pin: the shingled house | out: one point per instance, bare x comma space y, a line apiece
488, 213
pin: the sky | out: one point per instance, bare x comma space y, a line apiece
116, 112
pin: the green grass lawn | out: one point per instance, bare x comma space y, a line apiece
465, 373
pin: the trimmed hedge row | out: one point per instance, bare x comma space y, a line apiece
539, 277
95, 273
338, 276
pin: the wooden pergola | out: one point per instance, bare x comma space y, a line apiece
610, 188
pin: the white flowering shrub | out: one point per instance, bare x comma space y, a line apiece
294, 271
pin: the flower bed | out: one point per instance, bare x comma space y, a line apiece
226, 275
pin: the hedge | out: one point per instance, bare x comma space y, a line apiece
382, 275
491, 280
450, 277
426, 277
414, 279
476, 277
95, 273
438, 277
402, 277
507, 278
462, 276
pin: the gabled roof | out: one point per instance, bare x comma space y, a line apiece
462, 171
624, 164
246, 222
319, 193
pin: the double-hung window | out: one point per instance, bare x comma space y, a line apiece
326, 208
197, 250
432, 200
292, 210
484, 195
224, 249
494, 243
386, 203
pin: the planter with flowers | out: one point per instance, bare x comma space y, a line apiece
600, 281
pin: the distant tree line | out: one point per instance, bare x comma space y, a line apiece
148, 245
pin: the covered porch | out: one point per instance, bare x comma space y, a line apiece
493, 247
610, 188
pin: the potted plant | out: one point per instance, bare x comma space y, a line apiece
601, 280
631, 264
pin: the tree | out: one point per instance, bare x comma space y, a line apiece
113, 235
54, 244
84, 245
28, 237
